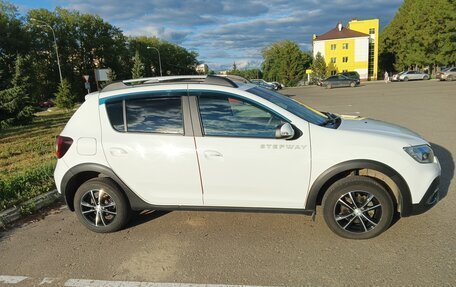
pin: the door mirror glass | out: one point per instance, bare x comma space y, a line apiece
285, 131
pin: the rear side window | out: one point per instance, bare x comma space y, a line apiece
147, 115
151, 115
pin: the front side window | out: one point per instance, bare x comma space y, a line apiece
223, 115
154, 115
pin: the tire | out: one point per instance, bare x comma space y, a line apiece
328, 86
113, 208
426, 77
361, 218
449, 78
406, 79
352, 84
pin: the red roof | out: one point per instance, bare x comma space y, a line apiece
336, 34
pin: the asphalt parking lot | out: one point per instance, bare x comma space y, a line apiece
263, 249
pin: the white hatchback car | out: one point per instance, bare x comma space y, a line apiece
208, 143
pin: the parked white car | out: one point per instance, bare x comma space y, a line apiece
413, 75
208, 143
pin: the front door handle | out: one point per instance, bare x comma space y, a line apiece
117, 151
210, 154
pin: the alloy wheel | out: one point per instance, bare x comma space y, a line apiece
358, 211
98, 207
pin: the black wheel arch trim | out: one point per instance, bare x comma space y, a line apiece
405, 195
70, 183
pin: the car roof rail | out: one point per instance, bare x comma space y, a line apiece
200, 79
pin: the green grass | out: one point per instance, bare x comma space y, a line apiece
27, 157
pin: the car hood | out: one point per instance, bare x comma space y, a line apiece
351, 123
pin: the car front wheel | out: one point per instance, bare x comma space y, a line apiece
101, 206
357, 207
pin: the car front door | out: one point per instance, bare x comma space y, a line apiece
343, 81
242, 162
150, 146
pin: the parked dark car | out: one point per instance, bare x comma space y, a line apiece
352, 75
339, 81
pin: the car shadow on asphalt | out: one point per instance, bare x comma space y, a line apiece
140, 217
447, 163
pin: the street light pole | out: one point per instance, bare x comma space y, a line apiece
55, 44
159, 59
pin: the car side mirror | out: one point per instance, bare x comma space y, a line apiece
285, 131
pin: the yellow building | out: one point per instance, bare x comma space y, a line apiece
351, 48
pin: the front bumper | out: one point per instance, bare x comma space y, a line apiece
429, 200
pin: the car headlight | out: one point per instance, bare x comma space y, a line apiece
421, 153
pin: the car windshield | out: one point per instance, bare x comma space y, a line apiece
304, 112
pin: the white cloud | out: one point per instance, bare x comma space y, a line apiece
229, 30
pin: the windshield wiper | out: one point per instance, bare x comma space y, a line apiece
332, 119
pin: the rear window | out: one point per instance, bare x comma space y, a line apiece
147, 115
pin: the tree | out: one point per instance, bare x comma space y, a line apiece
64, 98
319, 66
234, 67
111, 76
248, 74
421, 34
15, 105
14, 41
285, 62
175, 60
138, 67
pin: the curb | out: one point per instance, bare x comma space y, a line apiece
14, 213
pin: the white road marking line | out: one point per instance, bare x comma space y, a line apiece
11, 279
47, 280
101, 283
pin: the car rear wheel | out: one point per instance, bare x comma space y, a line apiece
406, 79
352, 84
101, 206
426, 77
357, 207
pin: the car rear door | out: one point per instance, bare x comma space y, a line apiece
242, 163
148, 142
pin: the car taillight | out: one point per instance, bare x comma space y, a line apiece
62, 145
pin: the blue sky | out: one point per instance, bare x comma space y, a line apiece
226, 31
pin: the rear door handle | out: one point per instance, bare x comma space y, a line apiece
117, 151
212, 154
